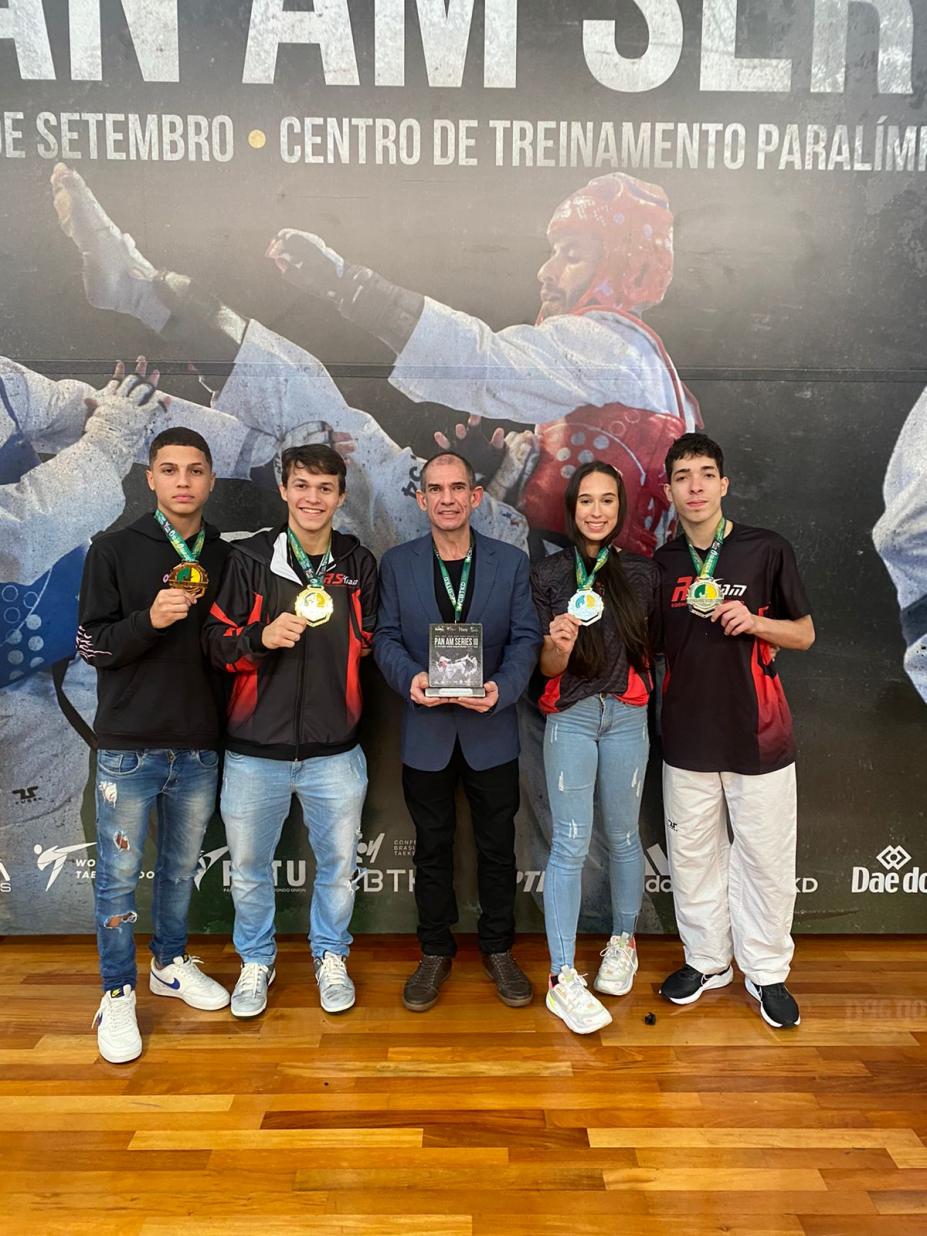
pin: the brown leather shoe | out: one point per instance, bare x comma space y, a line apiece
421, 989
512, 985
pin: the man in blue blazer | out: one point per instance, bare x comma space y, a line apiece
454, 574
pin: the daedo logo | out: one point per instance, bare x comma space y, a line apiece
894, 859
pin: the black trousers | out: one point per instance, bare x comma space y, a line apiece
493, 797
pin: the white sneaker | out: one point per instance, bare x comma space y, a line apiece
118, 1039
571, 1001
336, 991
184, 978
116, 275
250, 995
619, 965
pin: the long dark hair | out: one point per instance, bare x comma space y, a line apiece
589, 658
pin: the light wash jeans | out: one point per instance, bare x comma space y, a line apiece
598, 744
256, 797
181, 785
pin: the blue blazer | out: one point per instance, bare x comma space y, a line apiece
502, 602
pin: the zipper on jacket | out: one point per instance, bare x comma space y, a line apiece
300, 678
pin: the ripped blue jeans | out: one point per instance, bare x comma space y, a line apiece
595, 756
255, 801
181, 786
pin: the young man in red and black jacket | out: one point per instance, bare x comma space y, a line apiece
294, 615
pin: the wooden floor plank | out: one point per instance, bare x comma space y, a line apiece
474, 1119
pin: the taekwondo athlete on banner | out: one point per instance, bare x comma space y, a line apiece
900, 536
589, 369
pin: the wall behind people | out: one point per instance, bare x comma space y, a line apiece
433, 146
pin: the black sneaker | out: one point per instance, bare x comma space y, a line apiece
778, 1006
421, 989
686, 985
512, 984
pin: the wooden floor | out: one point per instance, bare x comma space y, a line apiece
472, 1119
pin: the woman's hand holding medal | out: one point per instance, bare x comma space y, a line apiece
284, 632
563, 632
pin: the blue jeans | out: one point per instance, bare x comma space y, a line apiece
181, 785
599, 743
256, 797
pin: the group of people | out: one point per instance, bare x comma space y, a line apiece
168, 609
253, 648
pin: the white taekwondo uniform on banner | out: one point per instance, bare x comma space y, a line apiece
900, 536
289, 384
601, 378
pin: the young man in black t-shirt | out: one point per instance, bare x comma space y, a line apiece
732, 597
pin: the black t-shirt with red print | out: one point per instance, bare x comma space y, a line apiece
724, 709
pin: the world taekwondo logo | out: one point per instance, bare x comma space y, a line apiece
56, 856
893, 859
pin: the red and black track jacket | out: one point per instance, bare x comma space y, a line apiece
292, 703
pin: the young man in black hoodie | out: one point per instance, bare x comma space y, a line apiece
144, 597
294, 615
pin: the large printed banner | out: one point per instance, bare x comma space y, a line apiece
756, 203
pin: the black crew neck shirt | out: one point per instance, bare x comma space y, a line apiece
724, 709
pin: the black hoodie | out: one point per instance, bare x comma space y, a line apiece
292, 703
155, 689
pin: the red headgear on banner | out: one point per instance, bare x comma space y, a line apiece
634, 222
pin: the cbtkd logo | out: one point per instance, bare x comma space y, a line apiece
367, 851
894, 858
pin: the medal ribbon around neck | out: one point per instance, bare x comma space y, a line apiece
313, 604
585, 605
183, 549
704, 595
316, 578
458, 601
187, 575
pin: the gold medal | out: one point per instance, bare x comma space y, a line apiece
189, 577
703, 597
315, 606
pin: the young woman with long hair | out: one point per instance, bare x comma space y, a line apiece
600, 609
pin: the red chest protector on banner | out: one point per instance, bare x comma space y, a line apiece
632, 440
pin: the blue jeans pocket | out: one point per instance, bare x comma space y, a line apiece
209, 759
114, 763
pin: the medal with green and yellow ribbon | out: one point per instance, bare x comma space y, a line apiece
313, 604
187, 575
704, 595
585, 605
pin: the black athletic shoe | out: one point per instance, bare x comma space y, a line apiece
777, 1004
686, 985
